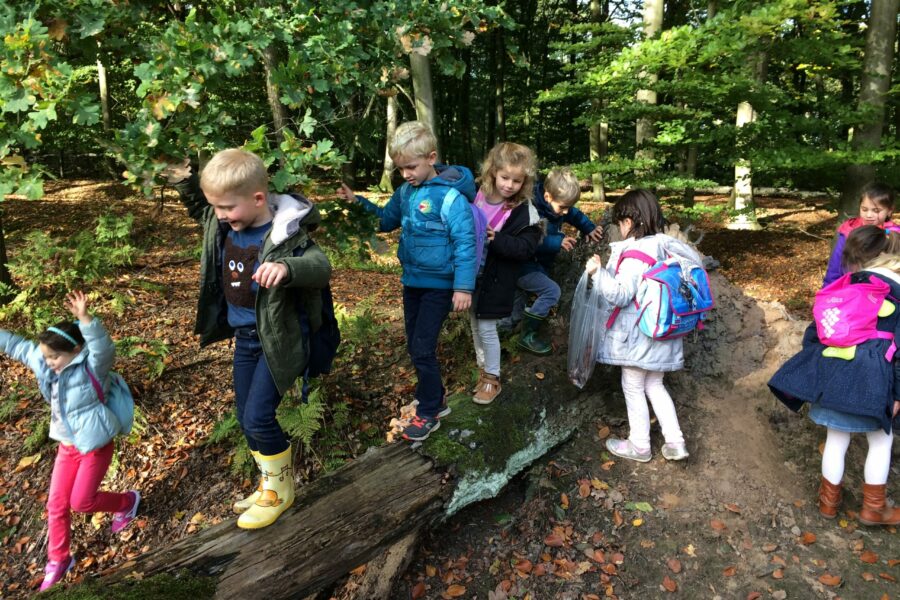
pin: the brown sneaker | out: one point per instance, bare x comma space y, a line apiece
488, 388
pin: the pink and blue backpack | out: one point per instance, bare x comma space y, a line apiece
673, 298
846, 314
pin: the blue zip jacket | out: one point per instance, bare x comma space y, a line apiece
90, 423
552, 242
437, 237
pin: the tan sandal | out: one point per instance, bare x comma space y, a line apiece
488, 389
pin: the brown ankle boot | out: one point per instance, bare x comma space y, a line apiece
829, 498
875, 510
488, 389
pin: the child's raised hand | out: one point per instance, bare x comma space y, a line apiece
346, 193
596, 235
593, 263
77, 304
568, 243
270, 274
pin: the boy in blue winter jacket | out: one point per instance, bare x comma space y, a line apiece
555, 200
438, 255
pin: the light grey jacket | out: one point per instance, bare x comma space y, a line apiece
624, 344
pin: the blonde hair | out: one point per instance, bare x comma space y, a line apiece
563, 186
509, 155
234, 170
890, 255
412, 139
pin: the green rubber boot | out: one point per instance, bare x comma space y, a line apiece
531, 339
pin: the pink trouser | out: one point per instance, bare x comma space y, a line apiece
73, 485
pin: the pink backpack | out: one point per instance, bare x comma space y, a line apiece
846, 313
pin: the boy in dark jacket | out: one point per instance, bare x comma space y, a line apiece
261, 281
555, 201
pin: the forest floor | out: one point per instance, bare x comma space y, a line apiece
736, 520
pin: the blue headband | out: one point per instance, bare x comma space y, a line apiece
62, 333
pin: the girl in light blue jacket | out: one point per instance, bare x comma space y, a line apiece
642, 358
64, 360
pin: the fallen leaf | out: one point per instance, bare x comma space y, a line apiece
430, 570
887, 577
754, 596
868, 576
770, 547
669, 584
418, 591
564, 501
729, 571
359, 570
539, 570
869, 557
617, 518
893, 562
778, 574
599, 485
584, 488
674, 565
689, 550
524, 567
599, 556
456, 590
27, 461
830, 580
554, 540
807, 538
733, 508
717, 525
603, 432
648, 544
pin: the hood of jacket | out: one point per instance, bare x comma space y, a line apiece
458, 177
290, 211
854, 223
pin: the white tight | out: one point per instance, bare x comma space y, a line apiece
638, 385
878, 460
487, 344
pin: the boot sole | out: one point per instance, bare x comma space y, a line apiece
262, 524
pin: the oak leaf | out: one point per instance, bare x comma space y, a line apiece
669, 584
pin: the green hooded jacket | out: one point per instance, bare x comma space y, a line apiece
277, 309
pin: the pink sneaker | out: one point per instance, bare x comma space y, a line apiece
55, 571
122, 519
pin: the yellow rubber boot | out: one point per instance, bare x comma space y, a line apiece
241, 506
278, 491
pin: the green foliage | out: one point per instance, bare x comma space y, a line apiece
302, 420
361, 330
45, 268
152, 351
14, 393
40, 435
347, 232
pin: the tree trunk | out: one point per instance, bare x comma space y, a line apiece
742, 195
423, 91
874, 85
104, 90
5, 277
386, 185
465, 111
599, 131
690, 170
712, 7
273, 93
645, 130
499, 107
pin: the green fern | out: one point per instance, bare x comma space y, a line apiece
243, 464
224, 429
302, 421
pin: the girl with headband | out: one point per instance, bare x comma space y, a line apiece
79, 421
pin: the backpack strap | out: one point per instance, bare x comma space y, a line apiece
97, 387
636, 254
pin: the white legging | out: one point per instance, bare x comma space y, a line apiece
878, 460
638, 385
487, 344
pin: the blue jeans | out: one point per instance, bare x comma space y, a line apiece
424, 312
256, 396
539, 283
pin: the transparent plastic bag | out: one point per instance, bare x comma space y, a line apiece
586, 331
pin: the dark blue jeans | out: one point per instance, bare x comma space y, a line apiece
424, 312
256, 396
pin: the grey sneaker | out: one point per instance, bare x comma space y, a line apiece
625, 449
675, 451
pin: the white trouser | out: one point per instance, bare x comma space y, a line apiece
878, 460
638, 385
487, 344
